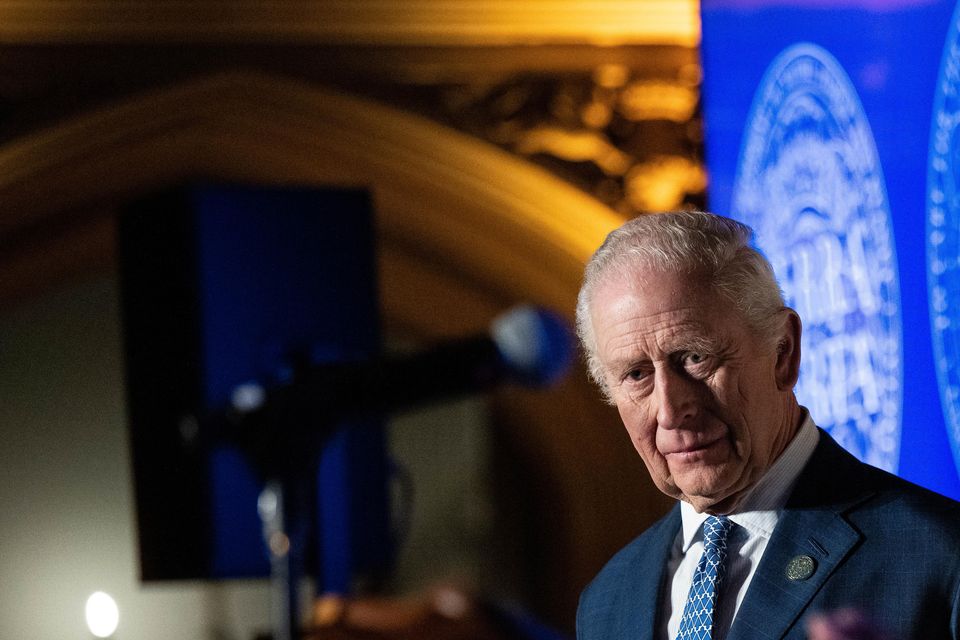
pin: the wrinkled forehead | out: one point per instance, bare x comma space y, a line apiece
651, 296
648, 293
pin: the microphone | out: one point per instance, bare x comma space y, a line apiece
526, 345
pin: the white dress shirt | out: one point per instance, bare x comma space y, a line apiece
756, 518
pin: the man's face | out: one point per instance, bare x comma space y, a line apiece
707, 405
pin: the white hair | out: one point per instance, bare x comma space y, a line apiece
696, 243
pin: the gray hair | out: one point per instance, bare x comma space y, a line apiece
685, 242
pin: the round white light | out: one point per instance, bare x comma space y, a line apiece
103, 616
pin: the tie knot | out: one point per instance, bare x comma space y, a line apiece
715, 530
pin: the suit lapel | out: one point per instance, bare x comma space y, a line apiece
811, 525
774, 602
646, 578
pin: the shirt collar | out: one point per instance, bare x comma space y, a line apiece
759, 511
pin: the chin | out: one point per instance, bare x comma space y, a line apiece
716, 490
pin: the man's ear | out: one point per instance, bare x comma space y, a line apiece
788, 351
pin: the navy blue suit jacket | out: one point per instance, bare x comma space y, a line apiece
881, 544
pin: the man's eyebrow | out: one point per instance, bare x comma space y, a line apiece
629, 360
699, 343
621, 365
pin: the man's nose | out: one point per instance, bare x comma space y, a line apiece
676, 396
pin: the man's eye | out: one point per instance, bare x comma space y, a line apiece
636, 375
697, 362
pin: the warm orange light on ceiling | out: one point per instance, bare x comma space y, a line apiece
379, 22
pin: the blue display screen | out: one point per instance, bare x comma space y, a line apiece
823, 124
289, 273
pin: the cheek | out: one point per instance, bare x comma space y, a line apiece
641, 427
732, 406
751, 419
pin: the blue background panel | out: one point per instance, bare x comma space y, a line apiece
890, 52
225, 285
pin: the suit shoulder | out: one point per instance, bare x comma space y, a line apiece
834, 477
650, 541
637, 565
622, 567
896, 497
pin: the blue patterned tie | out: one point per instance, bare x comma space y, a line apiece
697, 620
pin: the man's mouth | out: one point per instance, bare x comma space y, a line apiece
693, 451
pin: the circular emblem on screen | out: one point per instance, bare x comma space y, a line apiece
809, 182
943, 233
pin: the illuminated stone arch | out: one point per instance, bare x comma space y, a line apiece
498, 221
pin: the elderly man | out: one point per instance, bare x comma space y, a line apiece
686, 332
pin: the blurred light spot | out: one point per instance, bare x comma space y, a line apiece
102, 613
596, 115
575, 146
451, 603
279, 544
658, 100
661, 184
248, 397
611, 76
328, 610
